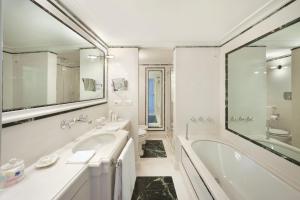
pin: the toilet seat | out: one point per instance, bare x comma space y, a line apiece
142, 136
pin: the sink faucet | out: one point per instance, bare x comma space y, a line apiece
64, 124
82, 118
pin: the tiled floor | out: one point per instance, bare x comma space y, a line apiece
166, 167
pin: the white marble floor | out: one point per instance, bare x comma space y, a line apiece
166, 167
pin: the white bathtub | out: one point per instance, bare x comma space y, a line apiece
228, 174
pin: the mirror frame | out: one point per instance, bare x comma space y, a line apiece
16, 116
226, 91
147, 71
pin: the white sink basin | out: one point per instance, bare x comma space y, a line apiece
94, 142
111, 128
115, 126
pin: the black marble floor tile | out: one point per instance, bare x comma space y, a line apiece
154, 149
154, 188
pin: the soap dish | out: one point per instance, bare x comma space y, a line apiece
46, 161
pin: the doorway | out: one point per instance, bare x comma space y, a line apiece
155, 98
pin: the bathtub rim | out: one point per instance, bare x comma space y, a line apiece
211, 184
243, 153
187, 144
200, 176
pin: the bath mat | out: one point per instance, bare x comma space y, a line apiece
154, 188
154, 149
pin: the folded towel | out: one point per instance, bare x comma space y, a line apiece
81, 157
89, 84
125, 173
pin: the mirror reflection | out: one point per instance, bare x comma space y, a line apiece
44, 61
264, 92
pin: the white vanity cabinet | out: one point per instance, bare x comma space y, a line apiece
83, 193
79, 189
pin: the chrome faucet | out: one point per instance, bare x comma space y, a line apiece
66, 124
82, 118
69, 123
187, 131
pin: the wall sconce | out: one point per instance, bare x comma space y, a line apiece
279, 67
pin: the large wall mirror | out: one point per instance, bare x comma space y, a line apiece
45, 62
263, 91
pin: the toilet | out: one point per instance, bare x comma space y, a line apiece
281, 135
142, 134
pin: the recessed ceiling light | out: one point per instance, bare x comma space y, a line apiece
256, 72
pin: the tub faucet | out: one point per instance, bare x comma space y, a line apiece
193, 119
268, 130
187, 131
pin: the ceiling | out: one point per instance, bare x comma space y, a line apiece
163, 23
29, 28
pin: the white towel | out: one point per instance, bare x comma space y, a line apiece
125, 173
81, 157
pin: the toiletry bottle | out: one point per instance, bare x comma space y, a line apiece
11, 172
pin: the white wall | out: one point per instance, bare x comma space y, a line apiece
70, 84
286, 170
247, 90
155, 56
125, 103
31, 140
278, 82
296, 97
92, 69
8, 81
68, 77
59, 84
196, 89
51, 78
30, 79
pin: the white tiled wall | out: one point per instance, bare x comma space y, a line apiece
31, 140
124, 103
196, 88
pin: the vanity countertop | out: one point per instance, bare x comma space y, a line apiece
50, 183
119, 124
